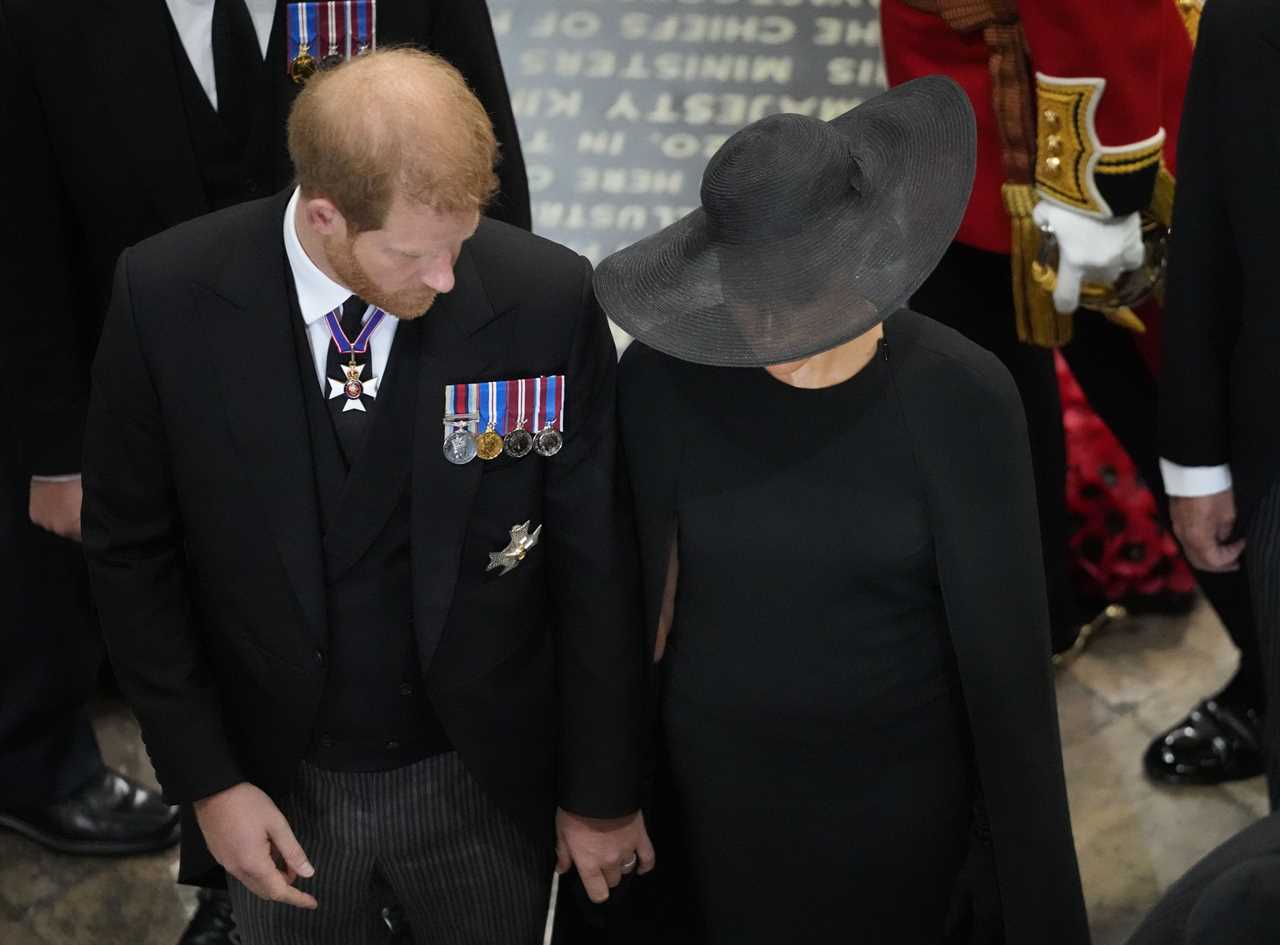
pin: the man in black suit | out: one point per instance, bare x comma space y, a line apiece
120, 119
358, 661
1220, 439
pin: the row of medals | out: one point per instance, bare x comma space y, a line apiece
304, 66
461, 446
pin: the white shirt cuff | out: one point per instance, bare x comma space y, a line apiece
1194, 480
70, 477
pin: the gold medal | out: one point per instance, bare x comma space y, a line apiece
303, 66
489, 444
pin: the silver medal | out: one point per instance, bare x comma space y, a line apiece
460, 447
518, 443
548, 441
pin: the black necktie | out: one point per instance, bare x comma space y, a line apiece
237, 65
350, 422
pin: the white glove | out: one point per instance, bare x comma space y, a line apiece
1089, 248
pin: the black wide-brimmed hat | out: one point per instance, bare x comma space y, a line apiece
809, 234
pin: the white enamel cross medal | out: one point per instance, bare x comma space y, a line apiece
352, 387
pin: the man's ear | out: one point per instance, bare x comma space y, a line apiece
323, 217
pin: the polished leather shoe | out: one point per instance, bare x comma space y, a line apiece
213, 923
110, 816
1214, 744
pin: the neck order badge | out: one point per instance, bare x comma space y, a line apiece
352, 386
322, 35
494, 417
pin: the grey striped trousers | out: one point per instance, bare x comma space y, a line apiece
464, 873
1263, 550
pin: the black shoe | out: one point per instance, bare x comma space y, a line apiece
213, 923
110, 816
1214, 744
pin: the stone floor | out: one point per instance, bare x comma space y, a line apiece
1135, 678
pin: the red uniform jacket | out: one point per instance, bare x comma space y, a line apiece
1136, 52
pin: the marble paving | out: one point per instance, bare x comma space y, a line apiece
1134, 839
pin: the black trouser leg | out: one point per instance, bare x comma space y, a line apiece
1263, 553
50, 655
1122, 392
971, 291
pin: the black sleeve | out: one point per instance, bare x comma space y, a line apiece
970, 433
36, 275
134, 542
594, 577
462, 33
1203, 299
1229, 875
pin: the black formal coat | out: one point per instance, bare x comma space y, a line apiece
1227, 898
97, 155
209, 563
1021, 885
1220, 378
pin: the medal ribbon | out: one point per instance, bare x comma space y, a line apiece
487, 406
297, 32
554, 412
365, 12
361, 344
515, 411
494, 407
346, 33
331, 44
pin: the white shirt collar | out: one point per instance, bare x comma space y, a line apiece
318, 295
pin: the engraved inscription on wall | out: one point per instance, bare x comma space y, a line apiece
621, 102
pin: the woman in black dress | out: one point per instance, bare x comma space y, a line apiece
857, 727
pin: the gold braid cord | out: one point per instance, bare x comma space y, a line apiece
1037, 321
1190, 11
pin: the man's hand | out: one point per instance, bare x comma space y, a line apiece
1089, 248
251, 840
603, 850
55, 507
1203, 524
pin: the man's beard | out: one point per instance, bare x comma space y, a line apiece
407, 304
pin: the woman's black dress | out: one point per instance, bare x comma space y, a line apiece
819, 757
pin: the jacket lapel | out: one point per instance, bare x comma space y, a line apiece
442, 493
247, 313
137, 65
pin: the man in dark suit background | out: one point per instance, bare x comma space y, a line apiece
122, 118
1220, 439
357, 661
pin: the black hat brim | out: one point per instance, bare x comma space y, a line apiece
684, 293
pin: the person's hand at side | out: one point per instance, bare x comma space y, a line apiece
1203, 524
250, 838
55, 507
603, 850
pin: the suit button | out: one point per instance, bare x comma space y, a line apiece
252, 187
406, 689
392, 745
319, 655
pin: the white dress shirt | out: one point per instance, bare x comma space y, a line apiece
318, 295
194, 22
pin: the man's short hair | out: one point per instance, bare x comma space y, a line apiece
393, 122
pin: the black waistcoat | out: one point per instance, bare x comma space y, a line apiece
234, 171
375, 714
